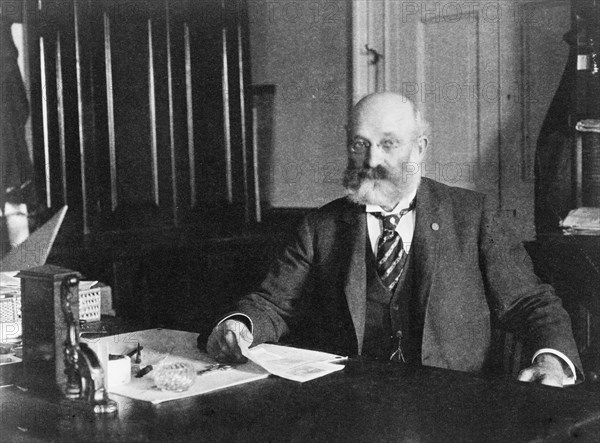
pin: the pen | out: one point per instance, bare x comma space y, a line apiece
138, 356
134, 351
143, 371
215, 367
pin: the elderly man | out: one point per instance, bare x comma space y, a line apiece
403, 267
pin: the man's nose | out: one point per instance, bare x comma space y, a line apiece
373, 156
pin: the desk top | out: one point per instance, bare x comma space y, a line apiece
367, 401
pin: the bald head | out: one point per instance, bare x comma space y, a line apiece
389, 109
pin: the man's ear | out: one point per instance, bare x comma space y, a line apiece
422, 144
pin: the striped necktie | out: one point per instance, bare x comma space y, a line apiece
391, 256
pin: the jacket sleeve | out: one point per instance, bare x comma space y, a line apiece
519, 300
277, 301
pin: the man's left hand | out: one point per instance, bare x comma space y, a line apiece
547, 369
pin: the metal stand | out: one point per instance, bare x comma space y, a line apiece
85, 376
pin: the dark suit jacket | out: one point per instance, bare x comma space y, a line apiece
468, 269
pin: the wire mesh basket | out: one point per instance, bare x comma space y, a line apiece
10, 309
90, 306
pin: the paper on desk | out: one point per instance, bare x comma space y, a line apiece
10, 279
164, 346
288, 362
294, 363
9, 284
84, 285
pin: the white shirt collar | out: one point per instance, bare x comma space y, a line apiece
404, 203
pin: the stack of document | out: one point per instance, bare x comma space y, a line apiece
582, 221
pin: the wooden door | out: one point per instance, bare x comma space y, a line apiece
483, 73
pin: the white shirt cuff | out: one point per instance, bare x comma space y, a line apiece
238, 314
564, 358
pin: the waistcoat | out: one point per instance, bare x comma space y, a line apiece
387, 313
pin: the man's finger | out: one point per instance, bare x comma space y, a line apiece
527, 375
212, 344
533, 374
225, 344
231, 341
233, 345
549, 380
217, 345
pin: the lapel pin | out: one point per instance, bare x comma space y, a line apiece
435, 226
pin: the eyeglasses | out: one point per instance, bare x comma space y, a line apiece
360, 146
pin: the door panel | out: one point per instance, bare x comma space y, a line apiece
456, 67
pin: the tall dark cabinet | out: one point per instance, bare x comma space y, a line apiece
140, 112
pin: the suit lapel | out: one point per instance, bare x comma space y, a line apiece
428, 228
355, 287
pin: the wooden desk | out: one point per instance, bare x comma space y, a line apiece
368, 401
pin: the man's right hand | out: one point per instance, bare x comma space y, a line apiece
227, 340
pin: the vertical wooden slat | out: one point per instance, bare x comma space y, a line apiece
171, 118
190, 114
243, 115
61, 118
257, 208
80, 118
226, 110
152, 97
110, 110
45, 121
